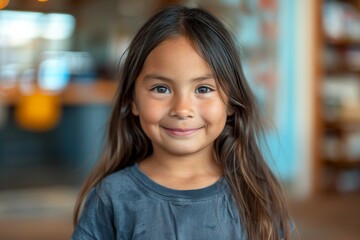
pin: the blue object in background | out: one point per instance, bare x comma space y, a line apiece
282, 142
54, 73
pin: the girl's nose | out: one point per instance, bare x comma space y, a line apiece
182, 107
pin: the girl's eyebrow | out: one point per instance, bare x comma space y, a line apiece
155, 76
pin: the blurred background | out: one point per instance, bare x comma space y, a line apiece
58, 65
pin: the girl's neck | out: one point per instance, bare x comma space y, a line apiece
182, 172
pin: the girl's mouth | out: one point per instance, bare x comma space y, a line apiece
181, 132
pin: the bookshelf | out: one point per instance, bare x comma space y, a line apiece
339, 157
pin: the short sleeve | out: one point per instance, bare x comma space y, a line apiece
96, 221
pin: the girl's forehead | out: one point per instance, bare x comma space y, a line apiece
175, 42
175, 53
178, 41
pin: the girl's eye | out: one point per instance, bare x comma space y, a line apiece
161, 89
204, 89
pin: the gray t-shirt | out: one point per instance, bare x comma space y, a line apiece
129, 205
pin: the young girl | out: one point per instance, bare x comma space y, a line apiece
182, 160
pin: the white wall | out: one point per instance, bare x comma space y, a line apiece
304, 103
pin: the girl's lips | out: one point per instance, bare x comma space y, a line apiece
181, 132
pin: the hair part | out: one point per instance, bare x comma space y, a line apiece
257, 192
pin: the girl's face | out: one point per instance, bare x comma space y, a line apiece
178, 101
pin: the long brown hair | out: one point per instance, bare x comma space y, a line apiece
260, 200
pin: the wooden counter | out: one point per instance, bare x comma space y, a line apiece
97, 92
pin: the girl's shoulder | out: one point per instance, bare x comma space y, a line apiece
118, 181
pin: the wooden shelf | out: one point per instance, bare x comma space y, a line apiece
344, 125
97, 92
342, 163
343, 42
342, 70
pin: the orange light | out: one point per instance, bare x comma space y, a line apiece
3, 3
38, 111
42, 0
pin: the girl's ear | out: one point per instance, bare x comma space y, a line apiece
134, 109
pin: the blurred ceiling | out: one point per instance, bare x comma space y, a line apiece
44, 6
71, 5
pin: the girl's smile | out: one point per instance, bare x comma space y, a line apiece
181, 132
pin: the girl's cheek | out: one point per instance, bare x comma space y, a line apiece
214, 109
153, 112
